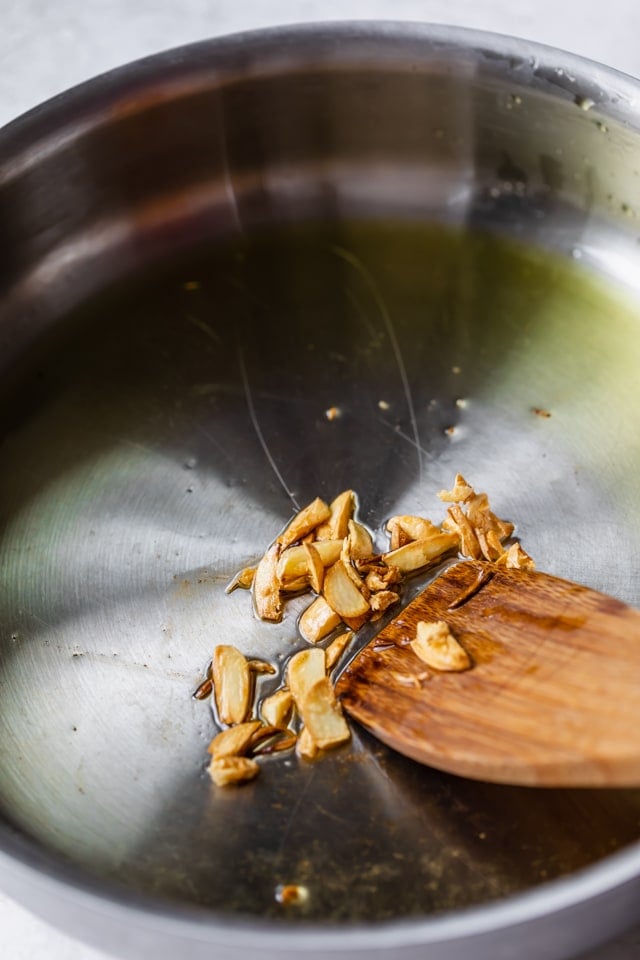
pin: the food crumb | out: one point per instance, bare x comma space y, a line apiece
456, 370
291, 894
383, 405
540, 412
191, 285
585, 103
333, 413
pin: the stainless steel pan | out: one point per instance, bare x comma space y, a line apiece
435, 232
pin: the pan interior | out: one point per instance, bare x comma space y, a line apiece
155, 442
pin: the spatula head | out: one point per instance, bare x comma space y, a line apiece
552, 698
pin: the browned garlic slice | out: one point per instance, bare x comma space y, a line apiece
516, 558
360, 542
420, 553
383, 599
354, 576
306, 747
322, 715
469, 546
299, 585
342, 594
461, 491
317, 621
242, 579
482, 517
315, 567
293, 561
233, 741
436, 646
266, 586
336, 648
341, 511
231, 770
304, 670
413, 528
276, 709
261, 666
304, 522
315, 700
231, 683
382, 577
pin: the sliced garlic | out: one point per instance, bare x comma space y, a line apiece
516, 558
336, 648
322, 715
230, 770
276, 709
461, 491
304, 670
469, 545
231, 683
293, 561
317, 621
382, 577
413, 528
342, 594
242, 579
306, 747
360, 542
304, 522
341, 511
383, 600
420, 553
315, 567
234, 741
266, 586
436, 646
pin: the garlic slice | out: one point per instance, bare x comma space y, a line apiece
304, 522
436, 646
266, 586
342, 594
231, 683
317, 621
419, 553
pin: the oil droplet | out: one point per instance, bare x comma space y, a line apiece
191, 285
576, 253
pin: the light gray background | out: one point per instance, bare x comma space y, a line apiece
47, 46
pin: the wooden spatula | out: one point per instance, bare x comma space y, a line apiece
552, 698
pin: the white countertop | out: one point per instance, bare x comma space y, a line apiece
47, 46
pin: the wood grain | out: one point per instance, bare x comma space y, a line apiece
553, 697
